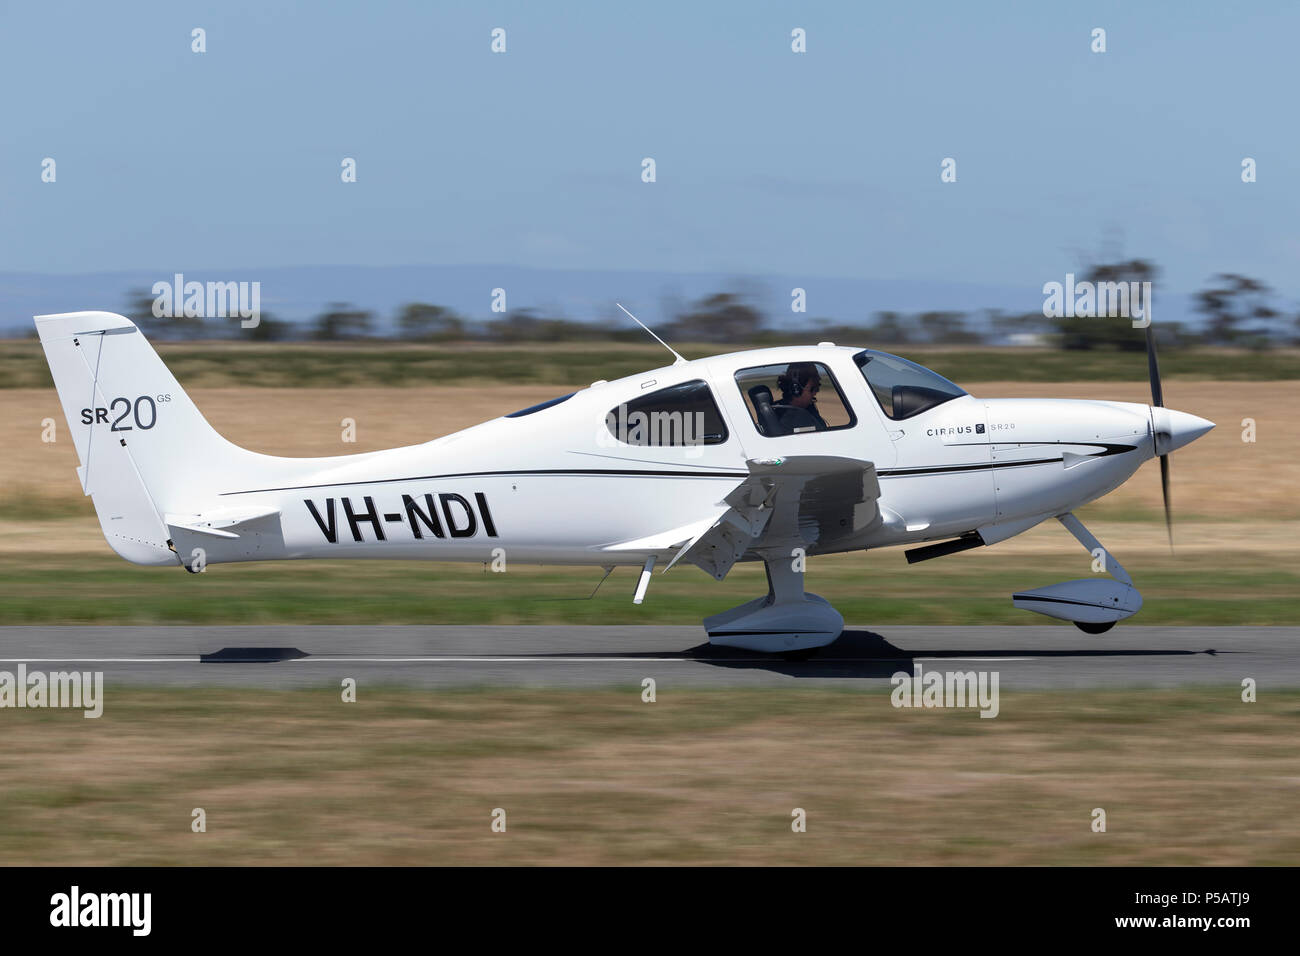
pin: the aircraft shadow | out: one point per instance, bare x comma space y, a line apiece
855, 655
252, 655
865, 654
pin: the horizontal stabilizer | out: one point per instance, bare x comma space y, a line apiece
220, 524
223, 536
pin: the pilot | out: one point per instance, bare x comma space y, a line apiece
799, 387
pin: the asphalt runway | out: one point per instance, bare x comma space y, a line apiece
534, 656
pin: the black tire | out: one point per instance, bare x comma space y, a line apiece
1089, 628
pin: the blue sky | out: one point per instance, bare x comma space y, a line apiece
820, 164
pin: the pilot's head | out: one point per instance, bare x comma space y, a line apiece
800, 384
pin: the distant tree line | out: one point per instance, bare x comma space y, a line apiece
1238, 311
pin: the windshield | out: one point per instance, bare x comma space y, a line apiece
903, 388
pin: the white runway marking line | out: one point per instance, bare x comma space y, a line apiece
186, 659
494, 660
974, 660
196, 659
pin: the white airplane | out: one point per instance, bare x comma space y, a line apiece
770, 454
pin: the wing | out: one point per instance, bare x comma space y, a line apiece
807, 501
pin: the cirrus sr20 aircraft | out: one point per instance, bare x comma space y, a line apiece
768, 455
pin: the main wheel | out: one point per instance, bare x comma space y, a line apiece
1090, 628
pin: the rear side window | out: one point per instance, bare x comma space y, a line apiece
684, 414
793, 398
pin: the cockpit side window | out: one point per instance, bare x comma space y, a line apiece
794, 397
684, 414
903, 388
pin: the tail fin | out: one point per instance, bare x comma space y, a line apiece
140, 439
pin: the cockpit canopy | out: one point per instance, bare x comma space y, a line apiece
903, 388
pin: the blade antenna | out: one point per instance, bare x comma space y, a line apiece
679, 359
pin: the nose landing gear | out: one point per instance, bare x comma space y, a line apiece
1093, 605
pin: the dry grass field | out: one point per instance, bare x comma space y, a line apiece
700, 777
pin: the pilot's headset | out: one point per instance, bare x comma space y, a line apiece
793, 381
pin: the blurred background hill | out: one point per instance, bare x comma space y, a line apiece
445, 303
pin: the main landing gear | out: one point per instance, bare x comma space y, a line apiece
787, 621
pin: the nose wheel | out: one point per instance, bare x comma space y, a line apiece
1093, 605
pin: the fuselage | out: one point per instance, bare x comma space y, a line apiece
564, 484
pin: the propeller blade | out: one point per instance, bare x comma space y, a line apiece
1158, 400
1164, 486
1153, 369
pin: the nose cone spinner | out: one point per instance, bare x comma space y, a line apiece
1174, 429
